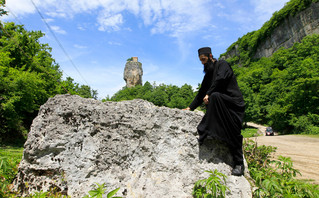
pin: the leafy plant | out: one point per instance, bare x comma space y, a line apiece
40, 194
275, 178
50, 194
213, 186
99, 191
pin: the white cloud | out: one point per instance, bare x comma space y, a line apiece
265, 8
58, 29
177, 17
57, 14
163, 16
108, 23
20, 7
79, 46
81, 28
114, 43
84, 5
49, 20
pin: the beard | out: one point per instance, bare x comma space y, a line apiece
208, 65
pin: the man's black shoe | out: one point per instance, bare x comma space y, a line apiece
238, 170
201, 139
200, 142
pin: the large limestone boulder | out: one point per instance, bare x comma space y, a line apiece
147, 151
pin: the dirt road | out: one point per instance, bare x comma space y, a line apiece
304, 152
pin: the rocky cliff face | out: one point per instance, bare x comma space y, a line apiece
292, 30
133, 73
145, 150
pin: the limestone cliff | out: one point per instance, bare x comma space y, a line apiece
292, 29
145, 150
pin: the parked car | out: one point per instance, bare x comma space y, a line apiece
269, 131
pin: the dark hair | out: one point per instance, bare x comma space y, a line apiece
208, 55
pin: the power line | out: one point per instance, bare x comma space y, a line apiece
7, 33
15, 16
59, 43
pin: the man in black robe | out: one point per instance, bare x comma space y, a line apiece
225, 107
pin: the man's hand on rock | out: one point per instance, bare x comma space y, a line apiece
187, 108
206, 99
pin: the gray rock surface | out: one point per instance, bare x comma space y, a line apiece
147, 151
133, 73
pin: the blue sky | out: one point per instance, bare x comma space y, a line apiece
100, 35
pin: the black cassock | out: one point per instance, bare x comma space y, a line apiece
225, 111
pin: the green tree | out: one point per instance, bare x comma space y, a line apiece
160, 95
2, 4
282, 89
29, 76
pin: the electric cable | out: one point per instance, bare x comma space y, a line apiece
59, 43
16, 18
7, 33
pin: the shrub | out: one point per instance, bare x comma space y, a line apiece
213, 186
275, 178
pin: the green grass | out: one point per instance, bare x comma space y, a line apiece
249, 132
312, 136
10, 158
11, 152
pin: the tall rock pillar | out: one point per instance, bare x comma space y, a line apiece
133, 72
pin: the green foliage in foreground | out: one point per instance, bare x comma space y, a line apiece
275, 178
100, 190
212, 187
9, 160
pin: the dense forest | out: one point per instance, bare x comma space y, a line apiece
283, 90
29, 76
280, 91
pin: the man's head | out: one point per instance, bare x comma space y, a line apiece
205, 55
